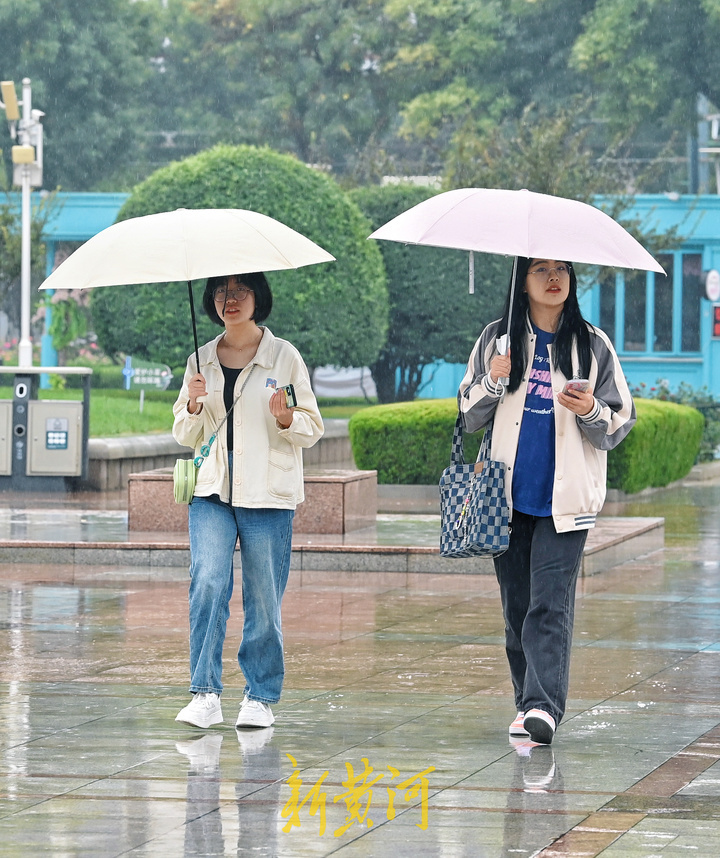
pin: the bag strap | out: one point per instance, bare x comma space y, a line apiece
205, 449
486, 444
457, 457
235, 401
456, 450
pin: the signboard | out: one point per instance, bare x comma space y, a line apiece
712, 285
143, 375
155, 377
716, 321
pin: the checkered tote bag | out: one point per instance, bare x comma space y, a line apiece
475, 515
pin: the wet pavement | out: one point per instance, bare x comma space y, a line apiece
401, 673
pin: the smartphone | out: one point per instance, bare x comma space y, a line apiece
290, 398
581, 384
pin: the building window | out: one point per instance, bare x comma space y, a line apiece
635, 311
692, 292
659, 313
607, 302
663, 333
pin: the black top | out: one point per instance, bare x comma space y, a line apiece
231, 376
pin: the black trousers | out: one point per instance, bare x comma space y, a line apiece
537, 577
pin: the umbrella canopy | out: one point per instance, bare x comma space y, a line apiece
186, 244
183, 245
519, 223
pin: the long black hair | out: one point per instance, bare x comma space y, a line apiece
571, 328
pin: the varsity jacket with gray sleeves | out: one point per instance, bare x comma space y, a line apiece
581, 443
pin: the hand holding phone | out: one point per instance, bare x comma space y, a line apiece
290, 398
581, 385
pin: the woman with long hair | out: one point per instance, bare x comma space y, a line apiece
566, 404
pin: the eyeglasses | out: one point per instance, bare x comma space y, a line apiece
543, 271
222, 293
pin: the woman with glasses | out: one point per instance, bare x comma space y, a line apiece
249, 481
553, 440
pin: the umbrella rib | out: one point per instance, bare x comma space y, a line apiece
444, 215
271, 243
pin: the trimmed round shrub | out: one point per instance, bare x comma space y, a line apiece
334, 313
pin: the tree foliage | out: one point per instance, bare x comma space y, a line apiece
366, 86
551, 155
649, 59
89, 63
320, 85
432, 316
334, 313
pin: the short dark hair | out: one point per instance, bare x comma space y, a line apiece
256, 282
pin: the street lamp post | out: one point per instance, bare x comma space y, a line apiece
27, 158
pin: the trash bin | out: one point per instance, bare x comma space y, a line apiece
43, 443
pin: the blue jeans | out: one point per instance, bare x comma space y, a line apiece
537, 577
265, 543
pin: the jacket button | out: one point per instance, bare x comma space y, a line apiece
559, 477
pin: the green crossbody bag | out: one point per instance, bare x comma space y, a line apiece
184, 479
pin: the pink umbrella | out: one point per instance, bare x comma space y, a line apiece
518, 223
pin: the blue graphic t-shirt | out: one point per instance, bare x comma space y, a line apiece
532, 486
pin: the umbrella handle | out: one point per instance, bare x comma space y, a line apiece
502, 344
194, 326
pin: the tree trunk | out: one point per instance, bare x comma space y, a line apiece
383, 373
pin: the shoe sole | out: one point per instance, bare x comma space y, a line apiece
539, 730
247, 723
518, 731
209, 722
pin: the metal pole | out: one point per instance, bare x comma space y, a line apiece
25, 345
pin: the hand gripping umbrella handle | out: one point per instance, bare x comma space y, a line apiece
502, 343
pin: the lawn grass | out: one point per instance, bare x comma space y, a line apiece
117, 412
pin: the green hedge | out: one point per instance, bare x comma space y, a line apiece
409, 443
662, 447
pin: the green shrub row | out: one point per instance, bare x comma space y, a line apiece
409, 443
662, 447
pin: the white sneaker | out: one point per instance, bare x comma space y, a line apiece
517, 728
253, 713
202, 711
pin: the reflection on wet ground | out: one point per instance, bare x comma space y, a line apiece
401, 674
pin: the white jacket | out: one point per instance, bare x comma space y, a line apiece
581, 443
267, 460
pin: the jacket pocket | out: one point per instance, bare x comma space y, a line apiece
281, 474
